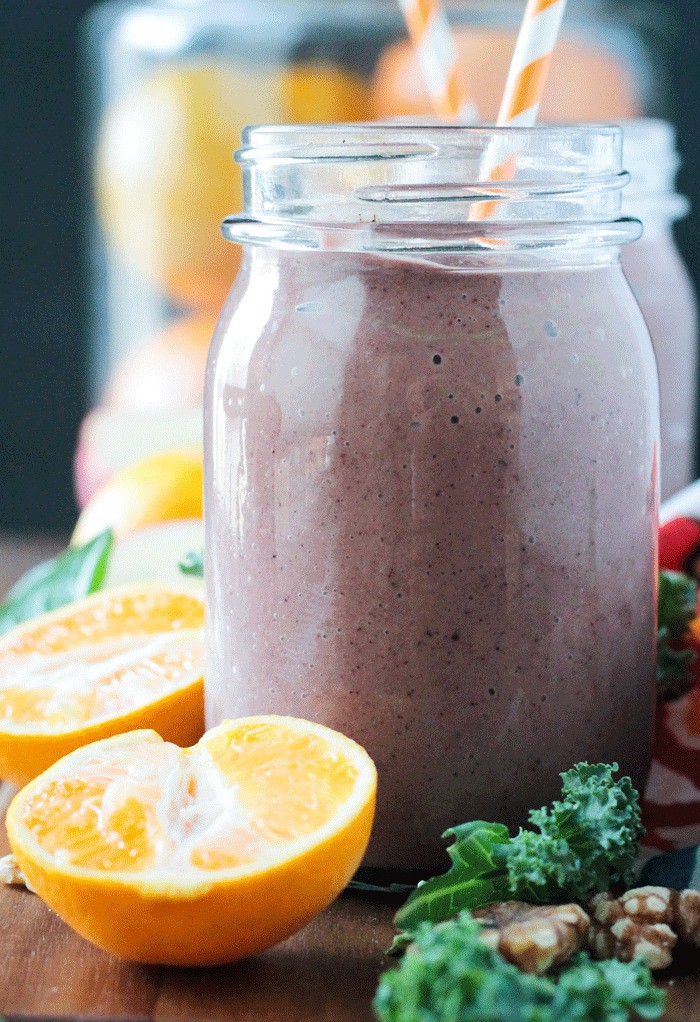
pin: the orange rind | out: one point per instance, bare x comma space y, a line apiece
121, 659
197, 856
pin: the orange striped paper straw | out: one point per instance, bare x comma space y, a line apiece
533, 51
436, 52
525, 83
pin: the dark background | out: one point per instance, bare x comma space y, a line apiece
43, 294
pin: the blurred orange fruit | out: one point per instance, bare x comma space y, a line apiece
197, 856
585, 83
168, 372
165, 176
322, 92
160, 488
115, 661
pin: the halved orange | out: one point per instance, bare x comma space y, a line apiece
121, 659
197, 856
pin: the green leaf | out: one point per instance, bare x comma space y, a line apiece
73, 574
477, 877
608, 991
400, 944
673, 674
367, 888
193, 564
678, 602
451, 975
583, 844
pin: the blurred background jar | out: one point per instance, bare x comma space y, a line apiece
662, 285
175, 81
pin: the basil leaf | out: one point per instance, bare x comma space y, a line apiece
477, 877
75, 573
193, 564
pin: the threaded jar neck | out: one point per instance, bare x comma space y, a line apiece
389, 187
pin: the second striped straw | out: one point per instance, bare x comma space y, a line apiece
436, 53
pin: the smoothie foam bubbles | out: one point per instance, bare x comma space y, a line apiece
431, 466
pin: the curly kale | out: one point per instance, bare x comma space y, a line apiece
582, 844
450, 975
678, 601
589, 991
585, 843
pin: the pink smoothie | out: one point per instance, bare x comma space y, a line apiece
665, 294
662, 286
430, 512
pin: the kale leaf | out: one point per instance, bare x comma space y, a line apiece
450, 975
582, 844
678, 602
477, 876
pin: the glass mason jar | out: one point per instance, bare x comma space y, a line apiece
430, 465
175, 81
663, 288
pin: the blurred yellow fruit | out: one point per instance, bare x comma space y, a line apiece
169, 371
585, 83
161, 488
165, 177
318, 93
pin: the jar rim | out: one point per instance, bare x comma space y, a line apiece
317, 141
652, 161
423, 186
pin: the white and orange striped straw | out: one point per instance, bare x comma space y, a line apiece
527, 76
533, 51
438, 59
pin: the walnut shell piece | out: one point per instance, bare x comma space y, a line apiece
11, 874
534, 937
638, 924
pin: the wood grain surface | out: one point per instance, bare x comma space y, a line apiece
326, 973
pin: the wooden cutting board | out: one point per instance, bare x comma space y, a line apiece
327, 973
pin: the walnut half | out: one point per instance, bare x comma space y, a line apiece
636, 925
534, 937
687, 916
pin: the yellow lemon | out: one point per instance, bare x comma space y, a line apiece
165, 176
